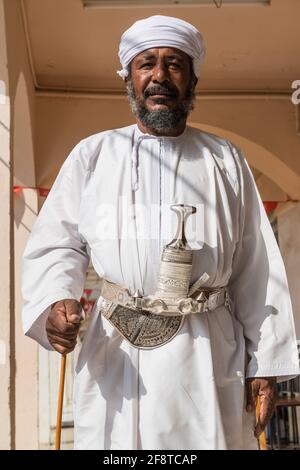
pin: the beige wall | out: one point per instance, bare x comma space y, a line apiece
269, 122
22, 99
264, 128
288, 228
63, 122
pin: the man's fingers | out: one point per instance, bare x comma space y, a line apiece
65, 316
54, 333
265, 388
266, 410
267, 406
59, 324
63, 324
62, 349
61, 344
267, 402
67, 342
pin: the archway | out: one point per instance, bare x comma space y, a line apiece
262, 160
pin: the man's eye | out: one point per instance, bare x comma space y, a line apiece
146, 65
174, 65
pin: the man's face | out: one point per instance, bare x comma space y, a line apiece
161, 77
161, 90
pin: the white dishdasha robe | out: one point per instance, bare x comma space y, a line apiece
189, 393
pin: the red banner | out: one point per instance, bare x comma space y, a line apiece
86, 302
270, 206
43, 192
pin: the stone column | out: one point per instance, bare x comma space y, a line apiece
7, 356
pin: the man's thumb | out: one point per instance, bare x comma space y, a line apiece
250, 400
73, 311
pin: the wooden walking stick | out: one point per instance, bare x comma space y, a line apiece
262, 438
60, 401
61, 389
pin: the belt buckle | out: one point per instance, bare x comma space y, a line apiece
157, 306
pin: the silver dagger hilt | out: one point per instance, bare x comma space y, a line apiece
176, 260
182, 211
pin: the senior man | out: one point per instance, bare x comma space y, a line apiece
146, 380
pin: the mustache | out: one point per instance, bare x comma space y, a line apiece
160, 90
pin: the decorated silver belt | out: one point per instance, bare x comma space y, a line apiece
149, 322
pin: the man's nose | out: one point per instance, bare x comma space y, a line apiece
160, 74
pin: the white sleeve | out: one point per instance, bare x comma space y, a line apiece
259, 290
55, 259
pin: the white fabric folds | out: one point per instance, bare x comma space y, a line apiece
188, 393
161, 31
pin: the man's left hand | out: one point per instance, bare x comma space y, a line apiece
265, 388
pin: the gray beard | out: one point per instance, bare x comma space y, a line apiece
163, 120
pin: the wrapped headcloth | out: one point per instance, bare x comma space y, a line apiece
161, 31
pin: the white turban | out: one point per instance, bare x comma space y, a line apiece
160, 31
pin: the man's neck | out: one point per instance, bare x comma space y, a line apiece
169, 133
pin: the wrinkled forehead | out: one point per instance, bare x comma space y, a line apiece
163, 52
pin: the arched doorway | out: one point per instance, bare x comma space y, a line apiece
275, 180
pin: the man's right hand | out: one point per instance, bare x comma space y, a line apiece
63, 324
